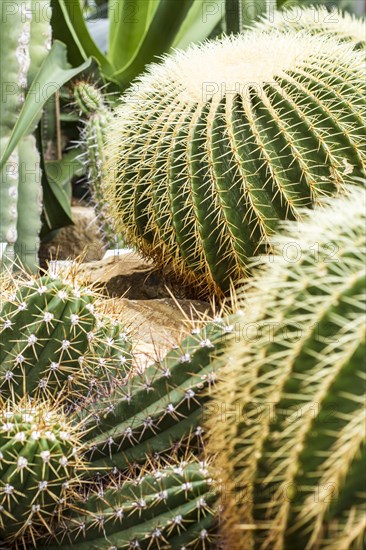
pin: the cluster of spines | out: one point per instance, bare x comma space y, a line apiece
53, 338
40, 456
291, 444
170, 506
199, 181
160, 407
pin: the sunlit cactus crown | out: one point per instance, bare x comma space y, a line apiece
210, 149
291, 434
39, 458
317, 20
54, 337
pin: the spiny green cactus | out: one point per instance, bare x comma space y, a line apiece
213, 147
39, 458
54, 338
168, 507
92, 105
26, 39
288, 421
317, 20
156, 408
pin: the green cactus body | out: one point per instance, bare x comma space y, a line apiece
90, 101
30, 193
14, 52
317, 20
158, 408
40, 37
293, 454
30, 174
169, 507
39, 456
53, 339
212, 148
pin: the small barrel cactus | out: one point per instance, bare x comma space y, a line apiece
168, 507
317, 20
39, 458
158, 408
288, 421
212, 148
53, 338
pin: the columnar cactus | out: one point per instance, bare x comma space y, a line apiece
317, 20
39, 458
167, 507
288, 421
25, 29
210, 149
53, 338
14, 52
98, 116
159, 407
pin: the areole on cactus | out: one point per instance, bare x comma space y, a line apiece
212, 148
288, 420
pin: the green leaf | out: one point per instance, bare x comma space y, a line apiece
69, 25
251, 11
56, 182
53, 73
166, 22
61, 172
201, 20
128, 24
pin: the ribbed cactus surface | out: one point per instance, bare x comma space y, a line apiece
317, 20
53, 338
39, 456
167, 507
25, 42
288, 421
158, 408
210, 149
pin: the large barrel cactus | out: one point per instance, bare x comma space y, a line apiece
289, 416
210, 149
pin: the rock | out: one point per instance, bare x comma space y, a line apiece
157, 325
75, 240
132, 277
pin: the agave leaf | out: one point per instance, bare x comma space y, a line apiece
128, 24
201, 20
158, 39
